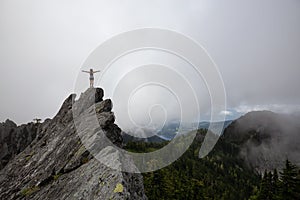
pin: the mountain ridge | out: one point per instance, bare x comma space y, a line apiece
266, 139
56, 164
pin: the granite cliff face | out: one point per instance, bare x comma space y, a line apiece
56, 164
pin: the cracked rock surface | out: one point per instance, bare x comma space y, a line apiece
54, 163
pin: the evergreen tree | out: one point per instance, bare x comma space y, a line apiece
290, 183
266, 190
275, 185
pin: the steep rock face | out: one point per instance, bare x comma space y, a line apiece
14, 139
57, 165
265, 139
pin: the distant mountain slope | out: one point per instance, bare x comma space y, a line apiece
129, 138
170, 130
205, 124
265, 139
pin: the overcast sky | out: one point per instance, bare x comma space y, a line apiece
255, 44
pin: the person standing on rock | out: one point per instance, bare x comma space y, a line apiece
91, 72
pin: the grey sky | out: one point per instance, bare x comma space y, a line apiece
255, 44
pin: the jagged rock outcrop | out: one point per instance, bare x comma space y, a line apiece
265, 139
59, 165
14, 139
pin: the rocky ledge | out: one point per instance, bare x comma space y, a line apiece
53, 163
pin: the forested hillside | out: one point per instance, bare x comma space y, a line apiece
223, 174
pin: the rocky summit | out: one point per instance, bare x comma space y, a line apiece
50, 160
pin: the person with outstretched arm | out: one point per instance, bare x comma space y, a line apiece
91, 72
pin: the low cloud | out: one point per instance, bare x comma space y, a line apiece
278, 108
226, 112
